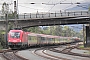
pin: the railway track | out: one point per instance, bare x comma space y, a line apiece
11, 55
49, 53
67, 50
47, 56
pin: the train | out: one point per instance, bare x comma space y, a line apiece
18, 39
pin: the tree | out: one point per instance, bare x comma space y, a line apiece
58, 30
46, 30
33, 29
89, 8
11, 15
2, 34
5, 8
65, 30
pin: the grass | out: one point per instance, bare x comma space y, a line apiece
86, 48
81, 46
1, 47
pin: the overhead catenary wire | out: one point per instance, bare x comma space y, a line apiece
48, 3
71, 4
82, 7
7, 3
63, 3
55, 4
67, 7
29, 7
52, 4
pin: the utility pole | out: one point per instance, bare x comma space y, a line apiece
6, 17
6, 8
15, 11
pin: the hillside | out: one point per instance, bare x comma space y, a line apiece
83, 6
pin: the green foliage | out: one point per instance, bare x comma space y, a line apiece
2, 41
58, 30
33, 29
89, 8
82, 46
10, 26
55, 30
5, 9
12, 15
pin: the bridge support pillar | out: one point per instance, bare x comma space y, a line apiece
87, 44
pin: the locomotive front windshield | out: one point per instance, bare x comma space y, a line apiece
15, 34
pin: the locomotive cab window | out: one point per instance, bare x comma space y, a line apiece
15, 34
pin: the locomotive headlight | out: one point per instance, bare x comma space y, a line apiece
20, 40
9, 40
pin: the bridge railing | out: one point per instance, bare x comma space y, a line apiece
2, 17
49, 15
52, 15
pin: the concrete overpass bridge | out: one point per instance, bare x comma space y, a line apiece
47, 19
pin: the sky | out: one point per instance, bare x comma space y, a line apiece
24, 6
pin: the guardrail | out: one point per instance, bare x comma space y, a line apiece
2, 17
51, 15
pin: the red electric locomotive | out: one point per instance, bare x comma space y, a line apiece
17, 39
